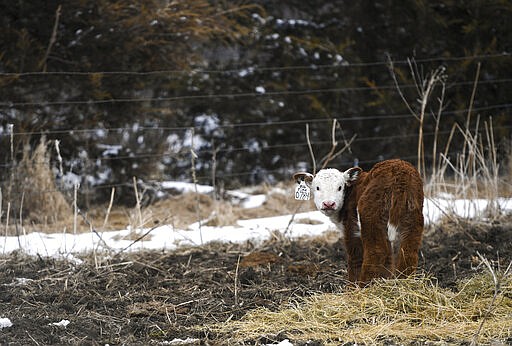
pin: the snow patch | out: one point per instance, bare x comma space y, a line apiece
62, 323
183, 187
260, 89
109, 149
19, 282
208, 122
5, 323
245, 72
254, 201
177, 341
285, 342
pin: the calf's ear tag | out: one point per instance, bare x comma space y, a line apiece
302, 191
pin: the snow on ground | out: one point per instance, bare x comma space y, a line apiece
166, 237
62, 323
183, 187
5, 323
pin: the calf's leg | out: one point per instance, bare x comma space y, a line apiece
407, 256
354, 249
376, 251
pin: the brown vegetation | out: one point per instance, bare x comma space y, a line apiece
32, 189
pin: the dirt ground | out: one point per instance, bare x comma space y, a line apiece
157, 296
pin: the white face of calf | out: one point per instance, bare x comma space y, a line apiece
328, 187
329, 190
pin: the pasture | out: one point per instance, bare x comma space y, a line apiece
263, 292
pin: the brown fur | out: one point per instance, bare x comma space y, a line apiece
392, 191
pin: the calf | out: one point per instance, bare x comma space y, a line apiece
380, 214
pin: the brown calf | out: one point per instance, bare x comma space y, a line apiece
380, 213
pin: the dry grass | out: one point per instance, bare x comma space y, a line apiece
177, 211
34, 185
180, 211
402, 310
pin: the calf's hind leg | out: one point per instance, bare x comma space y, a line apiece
407, 255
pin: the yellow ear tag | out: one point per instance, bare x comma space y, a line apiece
302, 191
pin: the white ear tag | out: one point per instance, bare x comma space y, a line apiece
302, 191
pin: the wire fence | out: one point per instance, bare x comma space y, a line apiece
237, 95
341, 65
241, 95
342, 118
276, 147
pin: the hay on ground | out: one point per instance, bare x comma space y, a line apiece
403, 310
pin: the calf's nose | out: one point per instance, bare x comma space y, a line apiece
328, 205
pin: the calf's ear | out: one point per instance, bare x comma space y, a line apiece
351, 175
307, 177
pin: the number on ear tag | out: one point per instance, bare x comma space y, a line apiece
302, 191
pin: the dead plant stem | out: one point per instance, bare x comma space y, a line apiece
214, 168
10, 128
75, 208
7, 223
467, 145
436, 132
473, 93
59, 157
193, 157
112, 193
138, 239
332, 154
391, 68
91, 227
310, 149
491, 307
334, 144
1, 205
53, 38
34, 340
236, 281
21, 219
137, 205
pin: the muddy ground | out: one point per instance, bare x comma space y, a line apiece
155, 297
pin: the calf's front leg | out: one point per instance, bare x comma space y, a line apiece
354, 249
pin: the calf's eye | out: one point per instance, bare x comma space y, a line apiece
339, 188
318, 188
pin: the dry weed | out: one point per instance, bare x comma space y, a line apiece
34, 180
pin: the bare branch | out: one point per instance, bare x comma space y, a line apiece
327, 158
310, 149
391, 68
136, 240
53, 38
332, 154
339, 152
473, 92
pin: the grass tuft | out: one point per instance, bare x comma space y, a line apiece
34, 184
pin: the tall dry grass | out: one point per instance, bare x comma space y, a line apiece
474, 172
33, 190
470, 174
